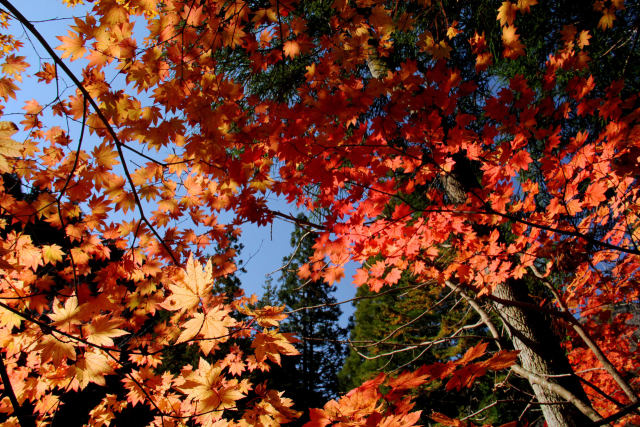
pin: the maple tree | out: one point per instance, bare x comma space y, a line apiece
393, 127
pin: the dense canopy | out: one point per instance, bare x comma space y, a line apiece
490, 149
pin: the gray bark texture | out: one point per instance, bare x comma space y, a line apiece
541, 354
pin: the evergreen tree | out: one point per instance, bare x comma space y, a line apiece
416, 325
310, 379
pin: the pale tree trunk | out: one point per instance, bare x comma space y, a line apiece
541, 354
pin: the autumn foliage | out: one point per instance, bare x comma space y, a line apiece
109, 256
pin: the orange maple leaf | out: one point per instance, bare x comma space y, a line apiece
271, 344
7, 88
72, 46
15, 66
47, 74
56, 350
8, 147
291, 48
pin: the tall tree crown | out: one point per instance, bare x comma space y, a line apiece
502, 137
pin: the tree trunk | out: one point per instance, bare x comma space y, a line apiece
541, 354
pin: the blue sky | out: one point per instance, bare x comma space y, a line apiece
264, 247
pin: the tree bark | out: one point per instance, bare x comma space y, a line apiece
541, 354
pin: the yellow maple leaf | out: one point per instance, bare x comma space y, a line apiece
212, 327
513, 48
8, 147
9, 319
452, 31
606, 21
105, 156
56, 350
102, 330
583, 39
65, 316
92, 368
15, 65
210, 390
507, 13
187, 292
269, 316
262, 185
52, 254
524, 6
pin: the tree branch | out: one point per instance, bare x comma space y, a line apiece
25, 420
602, 358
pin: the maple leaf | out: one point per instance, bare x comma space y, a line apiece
273, 409
473, 353
208, 388
507, 13
9, 319
7, 88
513, 48
393, 276
55, 349
72, 45
291, 48
8, 147
361, 277
65, 316
333, 274
607, 18
187, 292
105, 156
92, 367
583, 39
269, 316
15, 65
271, 344
102, 330
447, 421
211, 327
465, 376
234, 361
30, 256
501, 360
452, 31
521, 160
52, 254
595, 194
524, 6
408, 380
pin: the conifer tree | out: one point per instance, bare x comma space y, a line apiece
312, 377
